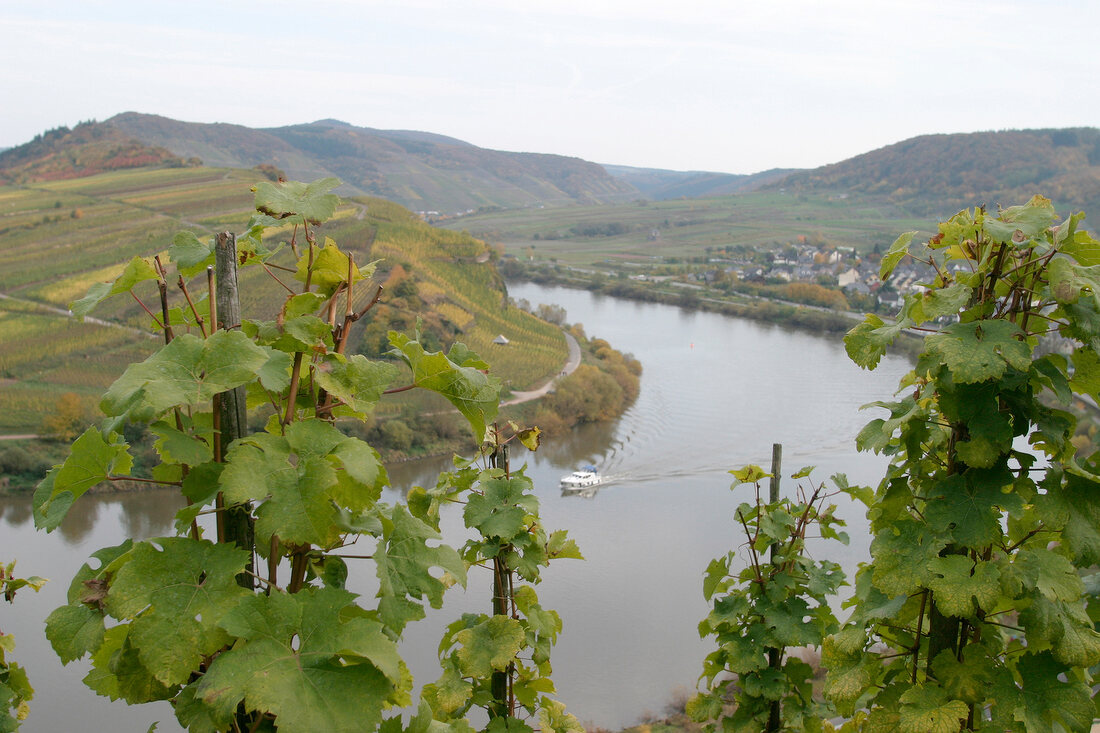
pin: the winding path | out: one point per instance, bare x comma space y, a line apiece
571, 364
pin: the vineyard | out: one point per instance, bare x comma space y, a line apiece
645, 231
59, 238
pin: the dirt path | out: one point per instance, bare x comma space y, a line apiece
571, 364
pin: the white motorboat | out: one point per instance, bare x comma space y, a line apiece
581, 478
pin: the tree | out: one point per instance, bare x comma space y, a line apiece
68, 419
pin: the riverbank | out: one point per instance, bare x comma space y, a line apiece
757, 308
595, 383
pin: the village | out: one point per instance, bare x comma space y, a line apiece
819, 268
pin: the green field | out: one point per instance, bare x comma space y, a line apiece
60, 237
655, 230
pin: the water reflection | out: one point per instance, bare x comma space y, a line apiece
151, 513
81, 520
594, 443
14, 511
146, 513
584, 492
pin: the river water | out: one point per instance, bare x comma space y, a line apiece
716, 394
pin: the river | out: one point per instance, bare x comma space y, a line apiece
716, 393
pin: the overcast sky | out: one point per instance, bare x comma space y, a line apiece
719, 85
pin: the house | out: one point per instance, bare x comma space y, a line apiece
501, 340
848, 277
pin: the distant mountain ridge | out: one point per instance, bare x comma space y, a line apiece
420, 170
660, 184
938, 174
423, 171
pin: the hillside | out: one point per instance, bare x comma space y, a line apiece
419, 170
60, 237
939, 174
661, 185
85, 150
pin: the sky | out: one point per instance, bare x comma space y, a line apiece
716, 85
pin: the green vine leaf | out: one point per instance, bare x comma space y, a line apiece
500, 511
175, 597
293, 489
356, 381
96, 294
329, 269
980, 350
179, 447
939, 302
310, 659
187, 372
475, 394
308, 202
91, 460
1032, 218
902, 556
489, 646
866, 344
190, 254
959, 583
404, 560
895, 254
927, 709
139, 269
1079, 244
1046, 699
75, 630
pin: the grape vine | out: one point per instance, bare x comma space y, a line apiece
15, 687
972, 614
778, 600
254, 628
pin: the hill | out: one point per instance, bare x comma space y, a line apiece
939, 174
60, 237
85, 150
661, 185
419, 170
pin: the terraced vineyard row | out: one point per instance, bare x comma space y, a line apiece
58, 238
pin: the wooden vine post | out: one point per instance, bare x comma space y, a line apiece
500, 682
775, 656
230, 408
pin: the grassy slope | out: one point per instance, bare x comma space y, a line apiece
687, 227
57, 238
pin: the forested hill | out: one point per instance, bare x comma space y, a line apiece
85, 150
938, 174
423, 171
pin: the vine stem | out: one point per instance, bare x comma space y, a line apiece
194, 311
211, 296
162, 288
273, 556
275, 277
140, 480
920, 629
1025, 538
292, 395
299, 562
146, 309
752, 550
